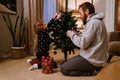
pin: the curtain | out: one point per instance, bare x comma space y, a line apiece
49, 10
60, 5
51, 7
110, 13
39, 9
33, 11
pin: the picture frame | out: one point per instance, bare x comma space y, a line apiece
73, 4
8, 6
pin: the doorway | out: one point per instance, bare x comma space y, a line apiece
117, 16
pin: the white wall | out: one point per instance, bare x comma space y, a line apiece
100, 5
110, 15
108, 8
74, 5
104, 6
5, 37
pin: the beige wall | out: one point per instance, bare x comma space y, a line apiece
5, 37
74, 5
100, 6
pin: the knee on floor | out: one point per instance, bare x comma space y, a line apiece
64, 70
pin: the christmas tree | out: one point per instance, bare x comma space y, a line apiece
61, 41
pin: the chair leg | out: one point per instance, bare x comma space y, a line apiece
109, 58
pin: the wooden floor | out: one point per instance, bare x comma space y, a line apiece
111, 71
11, 69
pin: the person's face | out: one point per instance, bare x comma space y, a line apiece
44, 26
83, 15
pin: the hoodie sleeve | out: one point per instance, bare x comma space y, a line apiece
86, 38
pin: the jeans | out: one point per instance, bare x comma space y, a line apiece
77, 66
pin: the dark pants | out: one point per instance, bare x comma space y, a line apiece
77, 66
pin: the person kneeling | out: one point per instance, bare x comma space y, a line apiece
92, 42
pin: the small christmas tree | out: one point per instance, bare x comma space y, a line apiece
61, 41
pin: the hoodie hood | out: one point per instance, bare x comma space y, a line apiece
99, 16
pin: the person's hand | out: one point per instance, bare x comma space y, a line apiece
68, 33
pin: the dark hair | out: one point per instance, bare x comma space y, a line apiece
87, 5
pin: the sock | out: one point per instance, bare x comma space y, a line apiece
29, 60
33, 67
33, 61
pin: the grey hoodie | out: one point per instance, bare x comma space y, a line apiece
93, 41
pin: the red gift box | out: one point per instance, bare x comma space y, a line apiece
47, 64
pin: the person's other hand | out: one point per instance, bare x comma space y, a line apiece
68, 33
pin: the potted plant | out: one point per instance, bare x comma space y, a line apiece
17, 31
